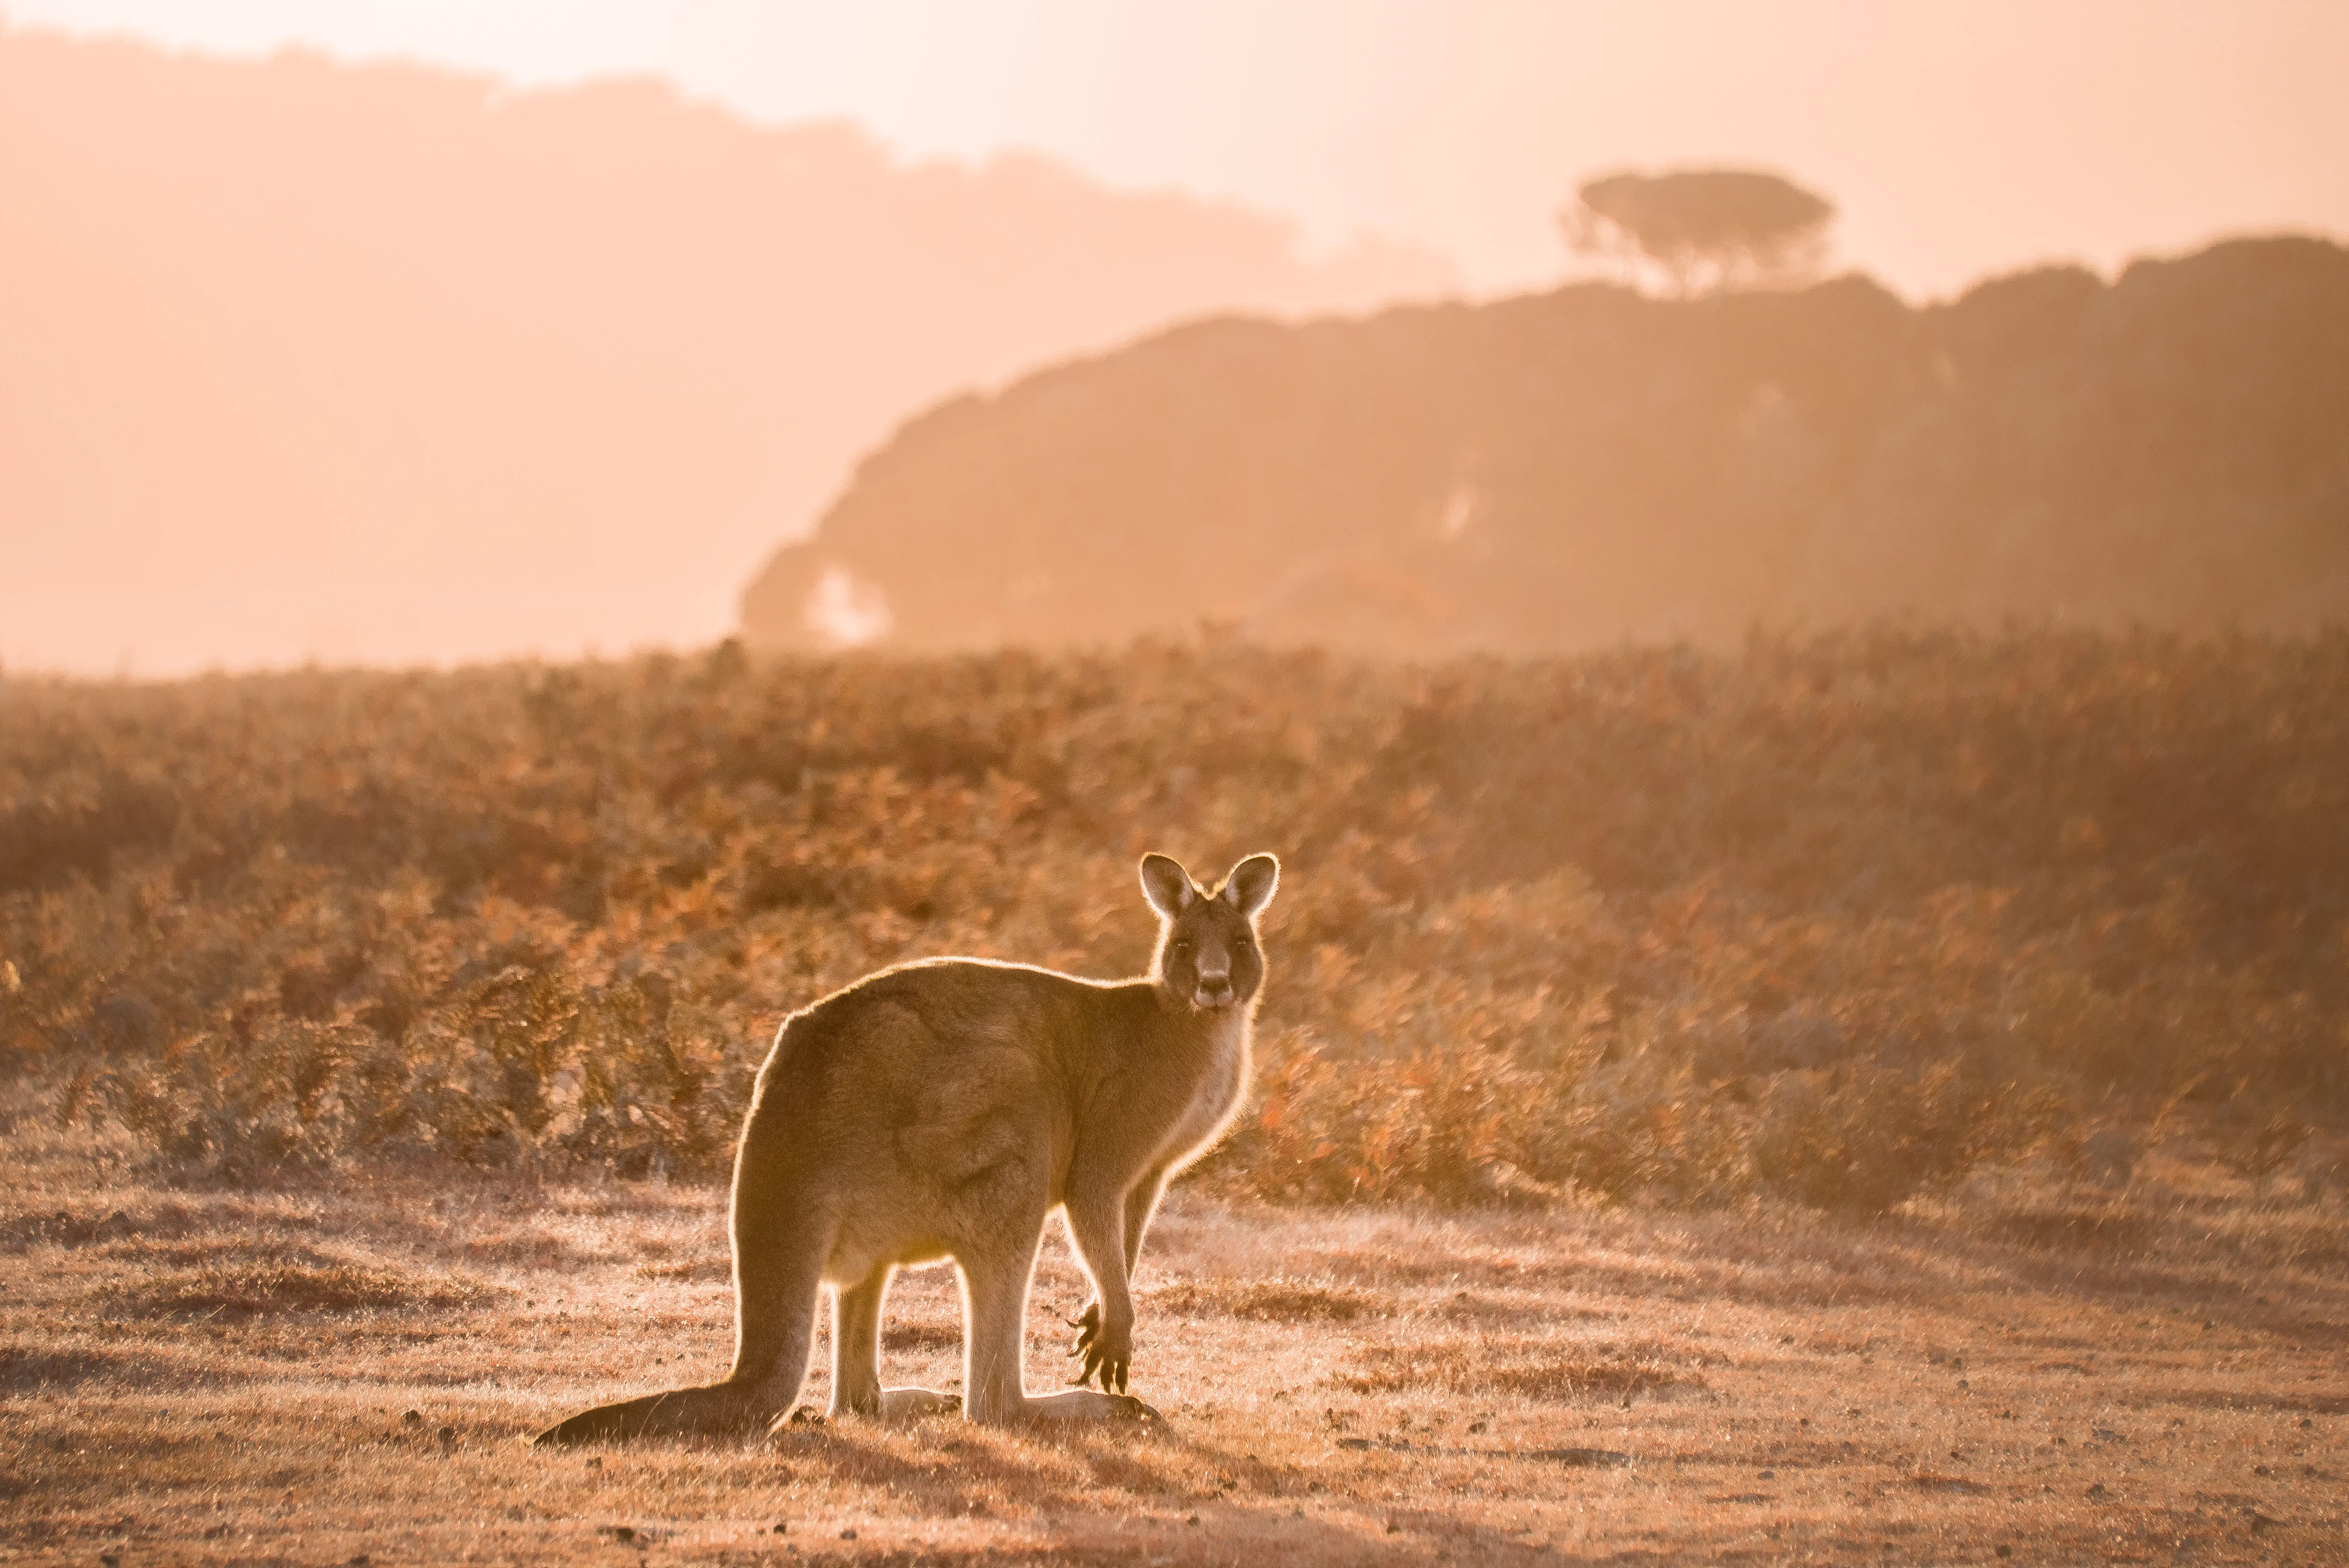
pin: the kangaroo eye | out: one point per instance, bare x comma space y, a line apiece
1240, 944
1180, 945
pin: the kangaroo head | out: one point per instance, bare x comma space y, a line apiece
1207, 953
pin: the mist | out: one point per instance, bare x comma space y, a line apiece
315, 362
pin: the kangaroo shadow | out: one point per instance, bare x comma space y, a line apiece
1080, 1482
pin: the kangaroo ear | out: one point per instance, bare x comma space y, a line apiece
1166, 884
1251, 885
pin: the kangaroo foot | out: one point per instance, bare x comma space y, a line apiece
912, 1404
1079, 1404
892, 1404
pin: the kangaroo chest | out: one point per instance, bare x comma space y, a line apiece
1217, 1093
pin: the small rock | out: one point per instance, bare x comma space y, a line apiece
411, 1419
1353, 1442
782, 1527
1767, 1475
1193, 1520
1392, 1528
2006, 1550
448, 1434
357, 1559
596, 1463
848, 1535
1479, 1426
2097, 1490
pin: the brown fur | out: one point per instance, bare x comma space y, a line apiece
944, 1109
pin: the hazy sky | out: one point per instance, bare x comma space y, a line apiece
1958, 139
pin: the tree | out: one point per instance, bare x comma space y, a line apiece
1723, 226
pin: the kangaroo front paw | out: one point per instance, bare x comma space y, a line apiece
1107, 1349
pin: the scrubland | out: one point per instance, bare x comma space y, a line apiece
1882, 1094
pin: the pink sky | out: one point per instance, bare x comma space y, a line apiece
1958, 139
252, 419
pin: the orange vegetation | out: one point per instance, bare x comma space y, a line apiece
1842, 920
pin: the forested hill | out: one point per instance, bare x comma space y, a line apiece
1590, 464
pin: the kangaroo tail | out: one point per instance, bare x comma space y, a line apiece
775, 1322
779, 1256
712, 1411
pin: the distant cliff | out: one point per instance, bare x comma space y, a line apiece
389, 362
1591, 464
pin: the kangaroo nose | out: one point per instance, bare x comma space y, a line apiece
1216, 985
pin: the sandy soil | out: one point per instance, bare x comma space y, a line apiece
347, 1372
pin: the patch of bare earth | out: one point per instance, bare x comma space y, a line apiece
2158, 1376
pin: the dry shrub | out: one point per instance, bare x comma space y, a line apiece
1837, 920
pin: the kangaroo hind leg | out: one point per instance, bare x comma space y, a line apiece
856, 1360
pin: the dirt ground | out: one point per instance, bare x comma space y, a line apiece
347, 1372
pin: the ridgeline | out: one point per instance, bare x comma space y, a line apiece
1564, 471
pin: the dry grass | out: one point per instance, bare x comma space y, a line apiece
2166, 1383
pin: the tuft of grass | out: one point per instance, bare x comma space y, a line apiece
1265, 1301
1528, 1367
235, 1290
899, 1334
26, 1369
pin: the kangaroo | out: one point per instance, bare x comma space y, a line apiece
943, 1109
